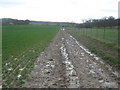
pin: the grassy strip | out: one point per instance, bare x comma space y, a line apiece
102, 53
111, 46
107, 43
107, 57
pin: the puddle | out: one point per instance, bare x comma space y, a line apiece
101, 62
15, 58
96, 58
86, 50
21, 69
70, 71
91, 71
109, 84
1, 86
10, 69
101, 81
87, 60
19, 76
63, 29
62, 38
115, 73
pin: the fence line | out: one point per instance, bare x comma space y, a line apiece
104, 34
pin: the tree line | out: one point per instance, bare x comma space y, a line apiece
104, 22
9, 21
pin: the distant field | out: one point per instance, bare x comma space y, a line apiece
21, 46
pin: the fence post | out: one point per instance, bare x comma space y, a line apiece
91, 31
96, 33
104, 33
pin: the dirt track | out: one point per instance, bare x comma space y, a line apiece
65, 63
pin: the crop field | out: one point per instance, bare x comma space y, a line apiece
21, 46
103, 42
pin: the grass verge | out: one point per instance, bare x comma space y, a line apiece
108, 51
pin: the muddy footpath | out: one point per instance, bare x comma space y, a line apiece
65, 63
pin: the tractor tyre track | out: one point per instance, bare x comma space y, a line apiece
65, 63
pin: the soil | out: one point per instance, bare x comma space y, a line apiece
65, 63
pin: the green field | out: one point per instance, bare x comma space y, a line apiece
21, 46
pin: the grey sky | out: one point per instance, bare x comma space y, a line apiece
9, 3
58, 10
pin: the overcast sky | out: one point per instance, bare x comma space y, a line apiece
58, 10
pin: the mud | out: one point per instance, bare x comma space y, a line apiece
65, 63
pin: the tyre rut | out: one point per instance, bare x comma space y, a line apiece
65, 63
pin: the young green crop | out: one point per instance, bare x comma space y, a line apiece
21, 45
18, 38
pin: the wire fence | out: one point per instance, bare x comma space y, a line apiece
109, 35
